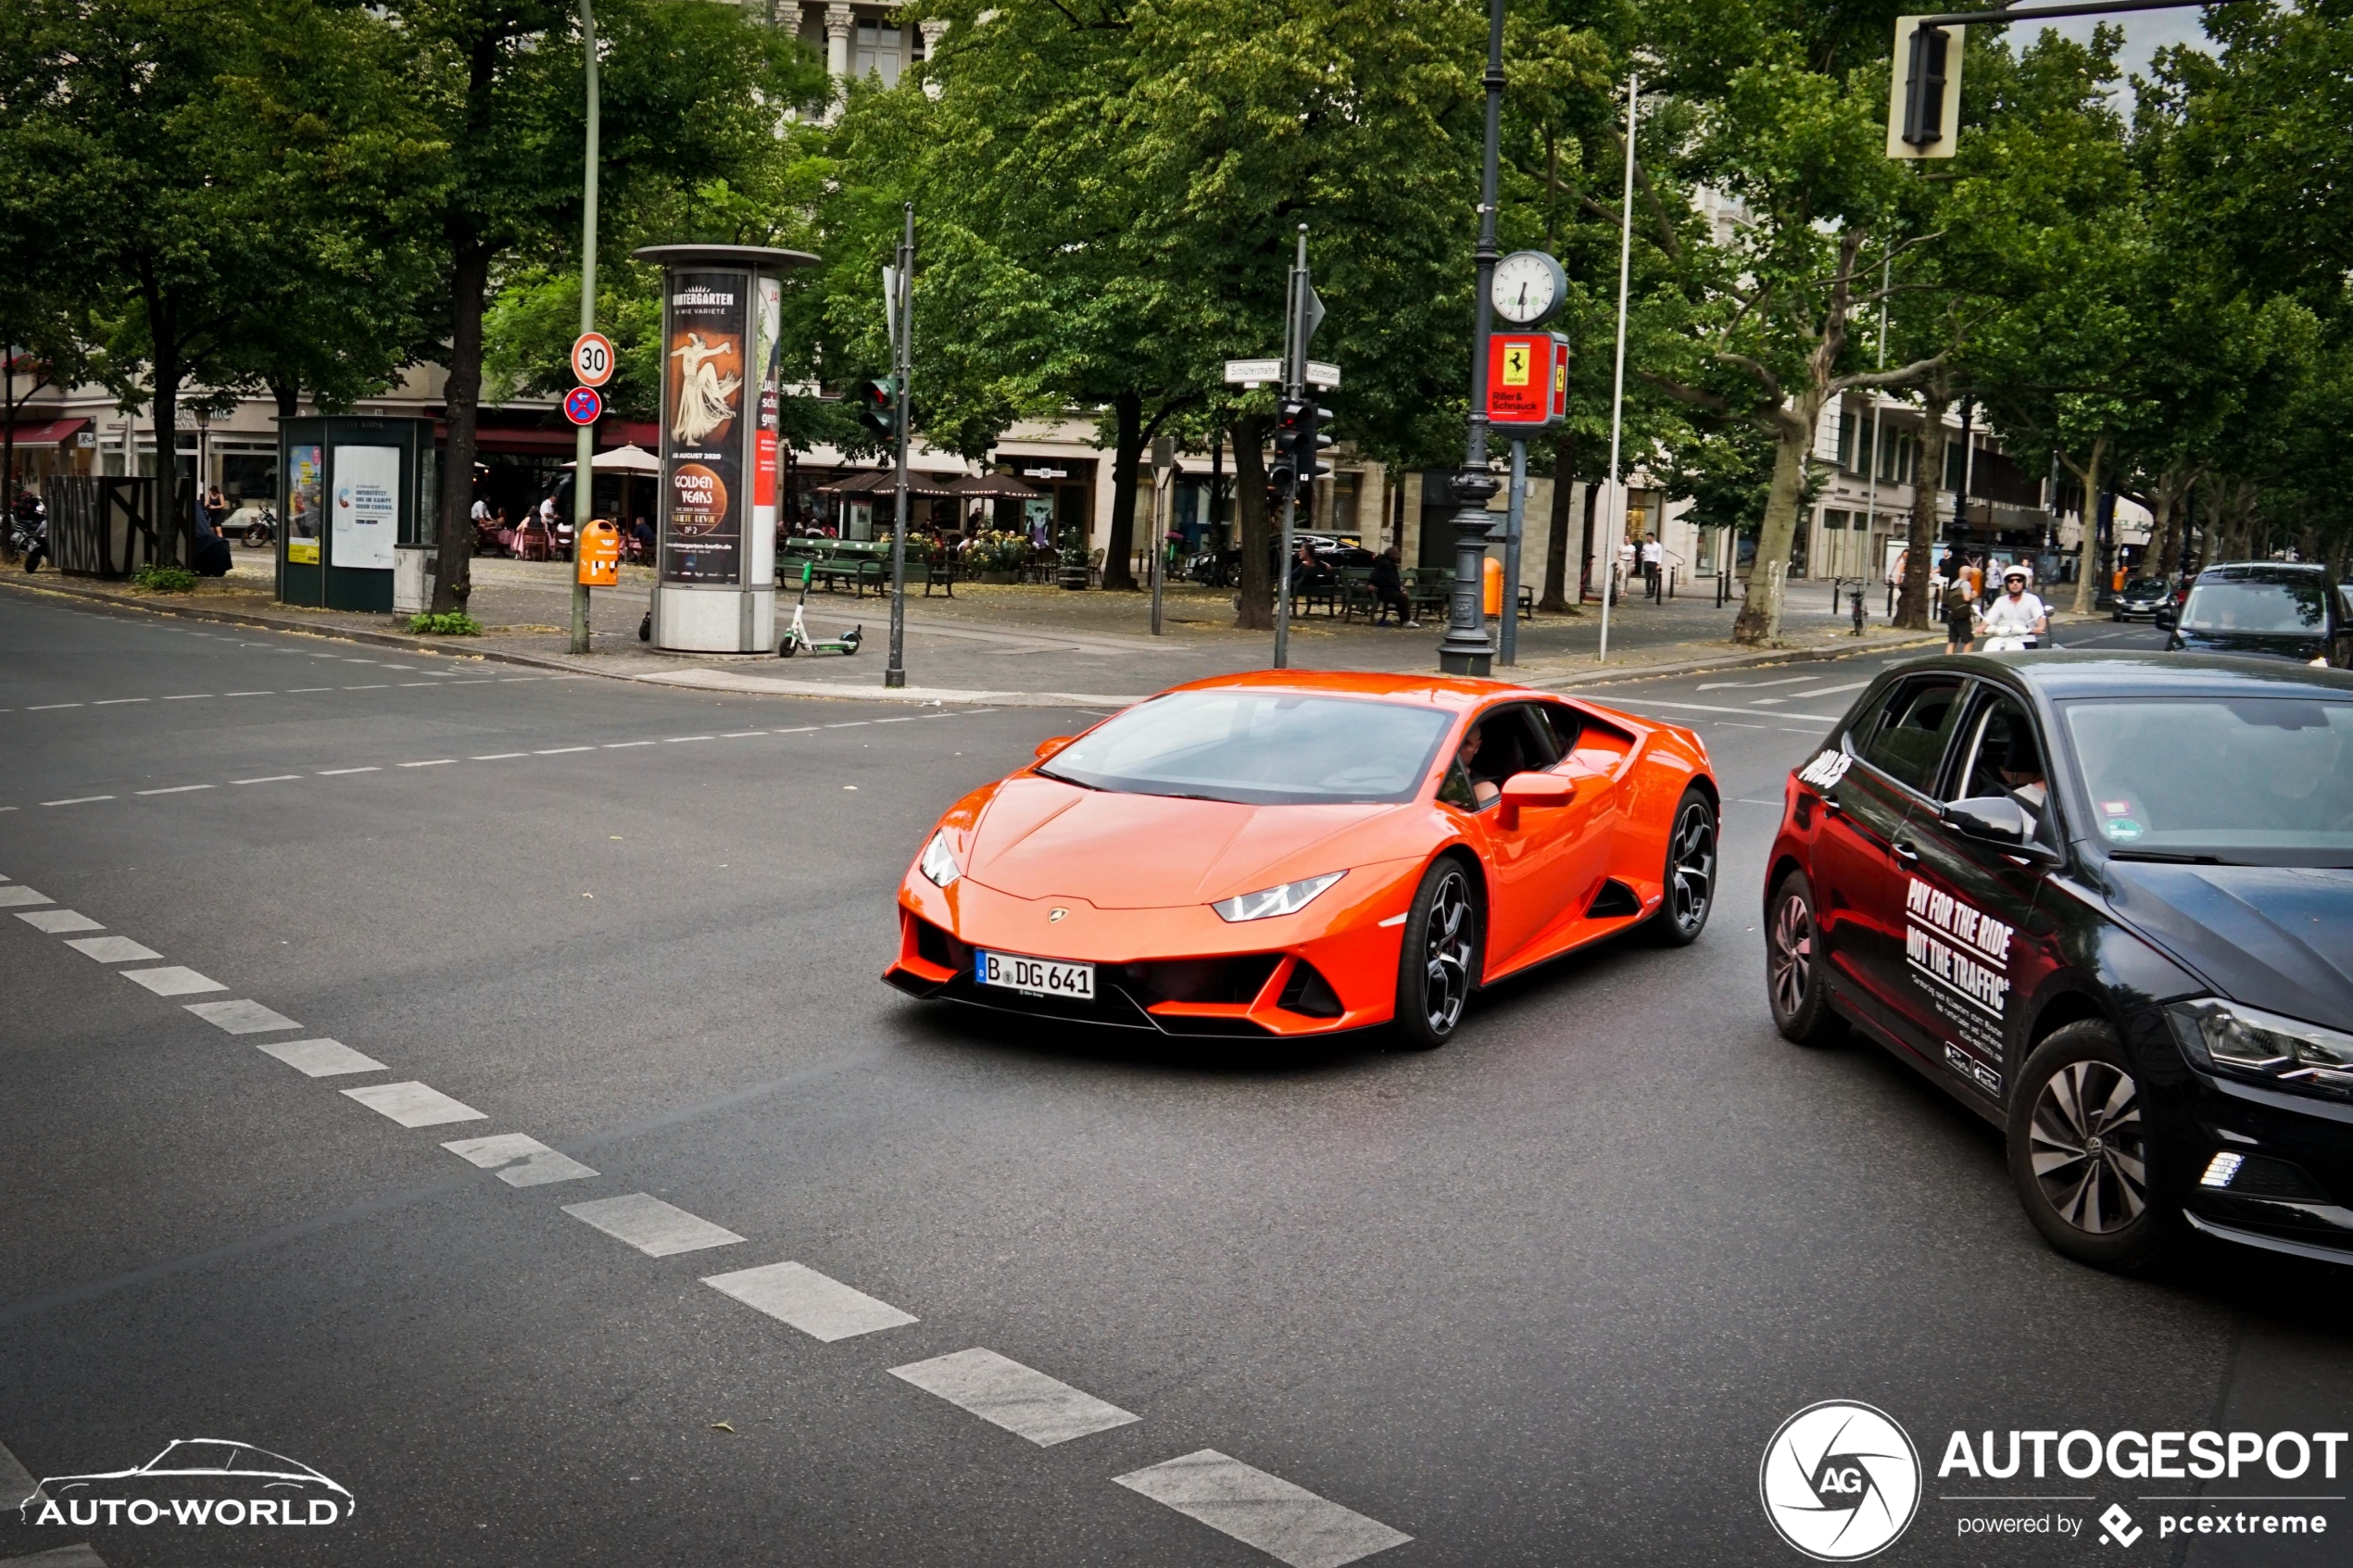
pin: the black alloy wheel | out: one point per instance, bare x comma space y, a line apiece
1691, 873
2080, 1152
1795, 985
1437, 964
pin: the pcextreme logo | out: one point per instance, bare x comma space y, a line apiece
194, 1482
1841, 1481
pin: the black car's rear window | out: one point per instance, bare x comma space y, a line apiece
2257, 606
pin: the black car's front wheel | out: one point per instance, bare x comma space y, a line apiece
1690, 875
2080, 1150
1438, 964
1795, 987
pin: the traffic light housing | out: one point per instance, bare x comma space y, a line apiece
1299, 441
1924, 91
878, 405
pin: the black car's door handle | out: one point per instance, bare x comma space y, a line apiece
1906, 854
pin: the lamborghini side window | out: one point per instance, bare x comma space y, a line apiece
1456, 788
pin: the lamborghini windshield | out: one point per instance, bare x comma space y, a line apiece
1260, 748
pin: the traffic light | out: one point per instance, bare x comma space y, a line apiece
1299, 441
1924, 98
878, 405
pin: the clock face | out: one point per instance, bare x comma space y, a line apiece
1526, 288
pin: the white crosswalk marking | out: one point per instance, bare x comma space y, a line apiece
1021, 1399
21, 893
319, 1059
1286, 1521
81, 1556
56, 922
520, 1159
242, 1017
112, 950
652, 1226
819, 1307
414, 1105
171, 981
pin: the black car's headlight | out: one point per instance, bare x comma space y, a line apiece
2249, 1042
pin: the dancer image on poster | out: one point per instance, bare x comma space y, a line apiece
706, 399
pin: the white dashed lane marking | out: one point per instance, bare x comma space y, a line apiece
78, 800
652, 1226
172, 980
414, 1105
1022, 1400
113, 949
268, 778
338, 773
520, 1159
319, 1059
1286, 1521
242, 1017
819, 1307
56, 922
176, 789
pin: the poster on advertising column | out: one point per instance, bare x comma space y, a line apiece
366, 519
770, 358
703, 404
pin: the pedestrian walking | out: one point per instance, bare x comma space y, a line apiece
1960, 611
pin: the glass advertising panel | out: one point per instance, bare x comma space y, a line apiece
703, 403
307, 461
366, 514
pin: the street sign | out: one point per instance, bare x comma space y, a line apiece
1527, 380
582, 405
592, 359
1254, 372
1323, 375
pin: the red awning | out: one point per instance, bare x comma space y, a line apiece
554, 441
54, 432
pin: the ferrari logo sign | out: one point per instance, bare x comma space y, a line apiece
1527, 380
1515, 357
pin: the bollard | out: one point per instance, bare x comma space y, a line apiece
1856, 604
1890, 601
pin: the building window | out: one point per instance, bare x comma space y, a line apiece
877, 54
1850, 425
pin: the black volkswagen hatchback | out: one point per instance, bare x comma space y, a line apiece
2107, 901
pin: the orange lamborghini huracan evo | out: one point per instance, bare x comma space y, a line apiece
1292, 852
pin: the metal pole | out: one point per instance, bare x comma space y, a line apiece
1466, 649
1509, 652
1617, 386
1871, 497
895, 672
584, 451
1160, 528
1294, 385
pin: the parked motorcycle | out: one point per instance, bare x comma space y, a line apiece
262, 531
29, 537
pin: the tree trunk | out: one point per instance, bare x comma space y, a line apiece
1257, 611
2160, 506
2087, 546
289, 398
469, 279
1127, 453
1760, 621
174, 543
1555, 600
1912, 608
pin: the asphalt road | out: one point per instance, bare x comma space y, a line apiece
1539, 1297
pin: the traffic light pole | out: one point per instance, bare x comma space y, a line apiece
895, 672
1512, 518
1466, 649
584, 450
1294, 387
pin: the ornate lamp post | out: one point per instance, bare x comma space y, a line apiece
1466, 649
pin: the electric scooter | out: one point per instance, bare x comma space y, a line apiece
797, 637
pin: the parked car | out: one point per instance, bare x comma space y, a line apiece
2271, 609
2105, 902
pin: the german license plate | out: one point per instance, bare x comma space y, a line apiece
1035, 977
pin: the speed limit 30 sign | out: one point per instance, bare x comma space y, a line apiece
591, 358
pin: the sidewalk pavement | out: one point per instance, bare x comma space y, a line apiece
1012, 645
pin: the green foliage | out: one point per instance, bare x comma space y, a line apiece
456, 624
157, 579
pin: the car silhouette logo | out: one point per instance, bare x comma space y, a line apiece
1054, 917
193, 1468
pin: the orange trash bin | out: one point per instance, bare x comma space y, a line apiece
1494, 587
598, 556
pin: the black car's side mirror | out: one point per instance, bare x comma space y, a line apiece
1997, 821
2165, 619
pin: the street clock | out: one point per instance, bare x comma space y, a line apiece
1529, 287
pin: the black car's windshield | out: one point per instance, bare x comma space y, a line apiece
2138, 586
2258, 606
2266, 780
1260, 748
